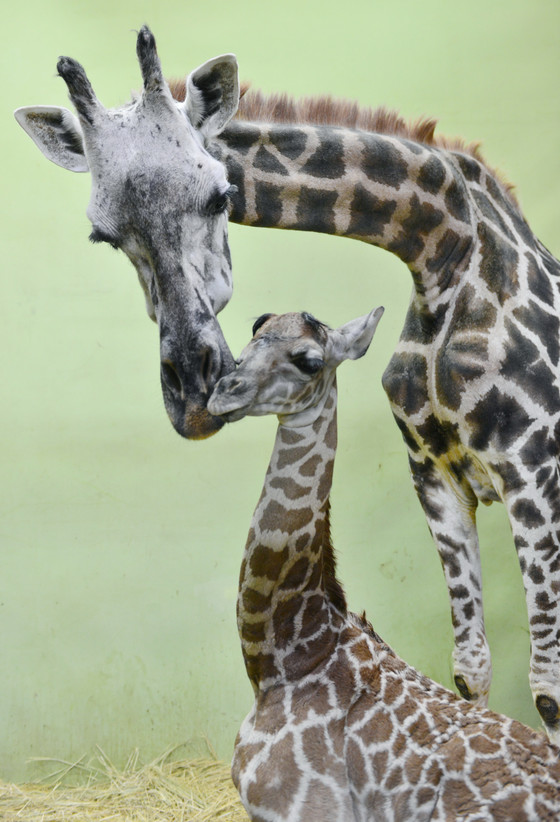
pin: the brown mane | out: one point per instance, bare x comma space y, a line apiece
254, 106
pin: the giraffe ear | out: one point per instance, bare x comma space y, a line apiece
58, 134
213, 95
352, 340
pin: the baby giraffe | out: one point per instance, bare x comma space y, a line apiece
341, 728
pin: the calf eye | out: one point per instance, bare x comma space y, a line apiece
308, 365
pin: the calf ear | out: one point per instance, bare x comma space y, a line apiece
352, 340
213, 94
58, 134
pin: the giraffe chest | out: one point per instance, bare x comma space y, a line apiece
436, 374
440, 364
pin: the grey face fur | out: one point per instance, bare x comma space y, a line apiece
159, 196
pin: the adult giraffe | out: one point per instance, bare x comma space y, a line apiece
474, 382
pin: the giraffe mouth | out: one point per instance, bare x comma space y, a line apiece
232, 416
232, 398
225, 407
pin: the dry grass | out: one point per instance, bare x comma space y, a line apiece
191, 790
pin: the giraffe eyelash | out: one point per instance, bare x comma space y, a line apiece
99, 236
307, 364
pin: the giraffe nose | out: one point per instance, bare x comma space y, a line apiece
200, 376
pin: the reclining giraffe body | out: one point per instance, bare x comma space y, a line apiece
341, 728
474, 383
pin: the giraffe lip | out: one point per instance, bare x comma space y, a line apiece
232, 416
219, 407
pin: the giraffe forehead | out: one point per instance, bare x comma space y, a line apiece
291, 327
133, 142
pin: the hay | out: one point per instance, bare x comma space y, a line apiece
191, 790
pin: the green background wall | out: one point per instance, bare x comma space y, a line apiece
120, 542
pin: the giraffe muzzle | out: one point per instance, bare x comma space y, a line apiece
232, 398
186, 387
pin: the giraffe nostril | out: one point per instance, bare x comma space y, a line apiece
209, 366
170, 377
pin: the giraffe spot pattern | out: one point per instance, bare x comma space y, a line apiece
463, 357
267, 162
523, 364
405, 382
382, 162
498, 419
268, 199
527, 513
309, 467
421, 220
327, 161
432, 174
315, 210
456, 199
470, 168
503, 202
451, 251
538, 449
493, 217
538, 281
498, 264
369, 214
422, 327
291, 489
439, 436
542, 323
241, 137
288, 141
268, 563
296, 576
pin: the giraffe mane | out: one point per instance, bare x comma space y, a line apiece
333, 588
254, 106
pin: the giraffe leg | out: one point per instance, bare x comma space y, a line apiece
534, 512
450, 512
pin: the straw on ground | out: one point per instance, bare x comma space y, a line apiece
190, 790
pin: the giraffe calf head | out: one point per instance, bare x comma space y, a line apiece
288, 367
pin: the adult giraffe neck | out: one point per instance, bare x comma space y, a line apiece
401, 195
289, 600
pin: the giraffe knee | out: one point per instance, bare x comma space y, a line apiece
548, 709
463, 688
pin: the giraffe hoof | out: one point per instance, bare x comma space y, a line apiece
548, 709
463, 688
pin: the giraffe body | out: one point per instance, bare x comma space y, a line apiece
397, 747
341, 728
474, 382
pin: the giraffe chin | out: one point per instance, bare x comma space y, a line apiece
195, 423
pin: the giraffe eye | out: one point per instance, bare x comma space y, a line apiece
220, 202
307, 364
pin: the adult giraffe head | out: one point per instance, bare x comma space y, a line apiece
163, 199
